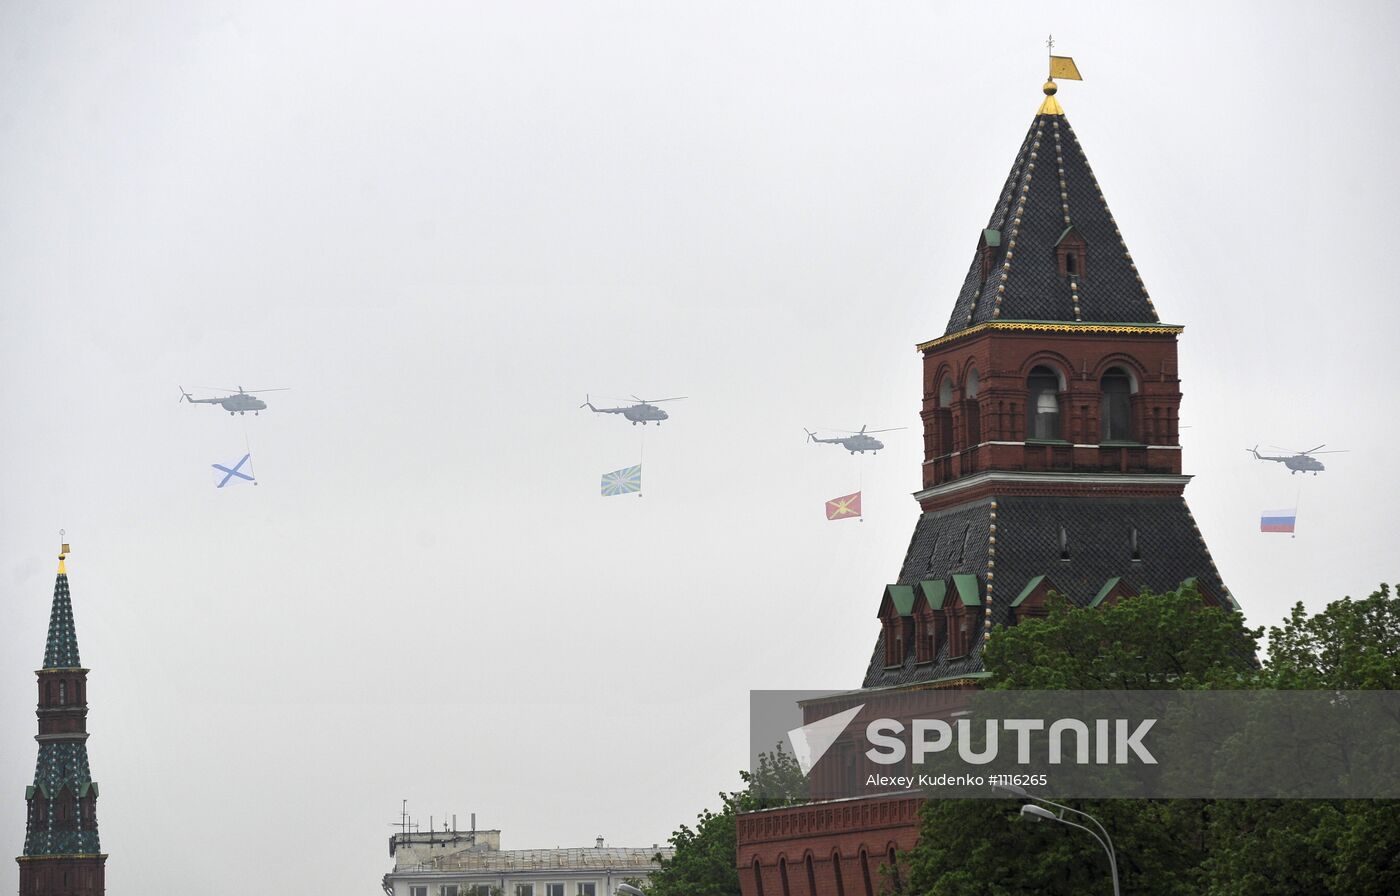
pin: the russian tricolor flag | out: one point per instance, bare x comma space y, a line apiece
1278, 520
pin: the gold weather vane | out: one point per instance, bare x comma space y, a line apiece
1060, 67
63, 551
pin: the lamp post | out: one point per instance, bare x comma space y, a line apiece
1034, 812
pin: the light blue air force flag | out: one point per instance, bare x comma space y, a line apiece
623, 482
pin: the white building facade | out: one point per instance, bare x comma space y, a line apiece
448, 863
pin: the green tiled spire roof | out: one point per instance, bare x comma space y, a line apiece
61, 651
62, 816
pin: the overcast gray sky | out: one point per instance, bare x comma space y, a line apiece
442, 224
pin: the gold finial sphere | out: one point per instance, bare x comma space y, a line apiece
1050, 88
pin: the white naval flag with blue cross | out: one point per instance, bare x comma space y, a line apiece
234, 474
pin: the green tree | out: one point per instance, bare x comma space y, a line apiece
1317, 846
704, 862
1148, 642
1222, 848
1172, 641
1350, 645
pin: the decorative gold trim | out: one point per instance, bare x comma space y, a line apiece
1053, 327
64, 856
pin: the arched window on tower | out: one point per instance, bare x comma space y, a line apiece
974, 411
1071, 252
1043, 404
945, 415
1116, 406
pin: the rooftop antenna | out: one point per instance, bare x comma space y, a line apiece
405, 824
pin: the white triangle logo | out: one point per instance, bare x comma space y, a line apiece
810, 742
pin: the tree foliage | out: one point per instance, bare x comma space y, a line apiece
1350, 645
1171, 641
1170, 847
704, 862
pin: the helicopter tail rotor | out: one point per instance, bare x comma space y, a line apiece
588, 403
184, 396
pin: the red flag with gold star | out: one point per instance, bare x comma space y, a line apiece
843, 508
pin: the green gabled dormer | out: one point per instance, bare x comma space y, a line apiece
1113, 590
932, 592
898, 599
897, 621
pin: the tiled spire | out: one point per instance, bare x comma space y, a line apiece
1050, 197
62, 801
61, 651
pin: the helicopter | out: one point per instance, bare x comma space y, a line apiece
239, 403
644, 411
1299, 461
856, 442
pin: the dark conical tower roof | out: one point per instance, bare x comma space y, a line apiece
1051, 196
61, 651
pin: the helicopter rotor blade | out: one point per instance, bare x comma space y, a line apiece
257, 391
217, 388
893, 429
1333, 451
659, 400
1313, 450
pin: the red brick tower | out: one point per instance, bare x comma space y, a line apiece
1051, 463
62, 853
1051, 459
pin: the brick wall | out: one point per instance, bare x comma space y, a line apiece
835, 848
959, 431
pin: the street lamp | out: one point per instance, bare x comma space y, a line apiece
1033, 812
